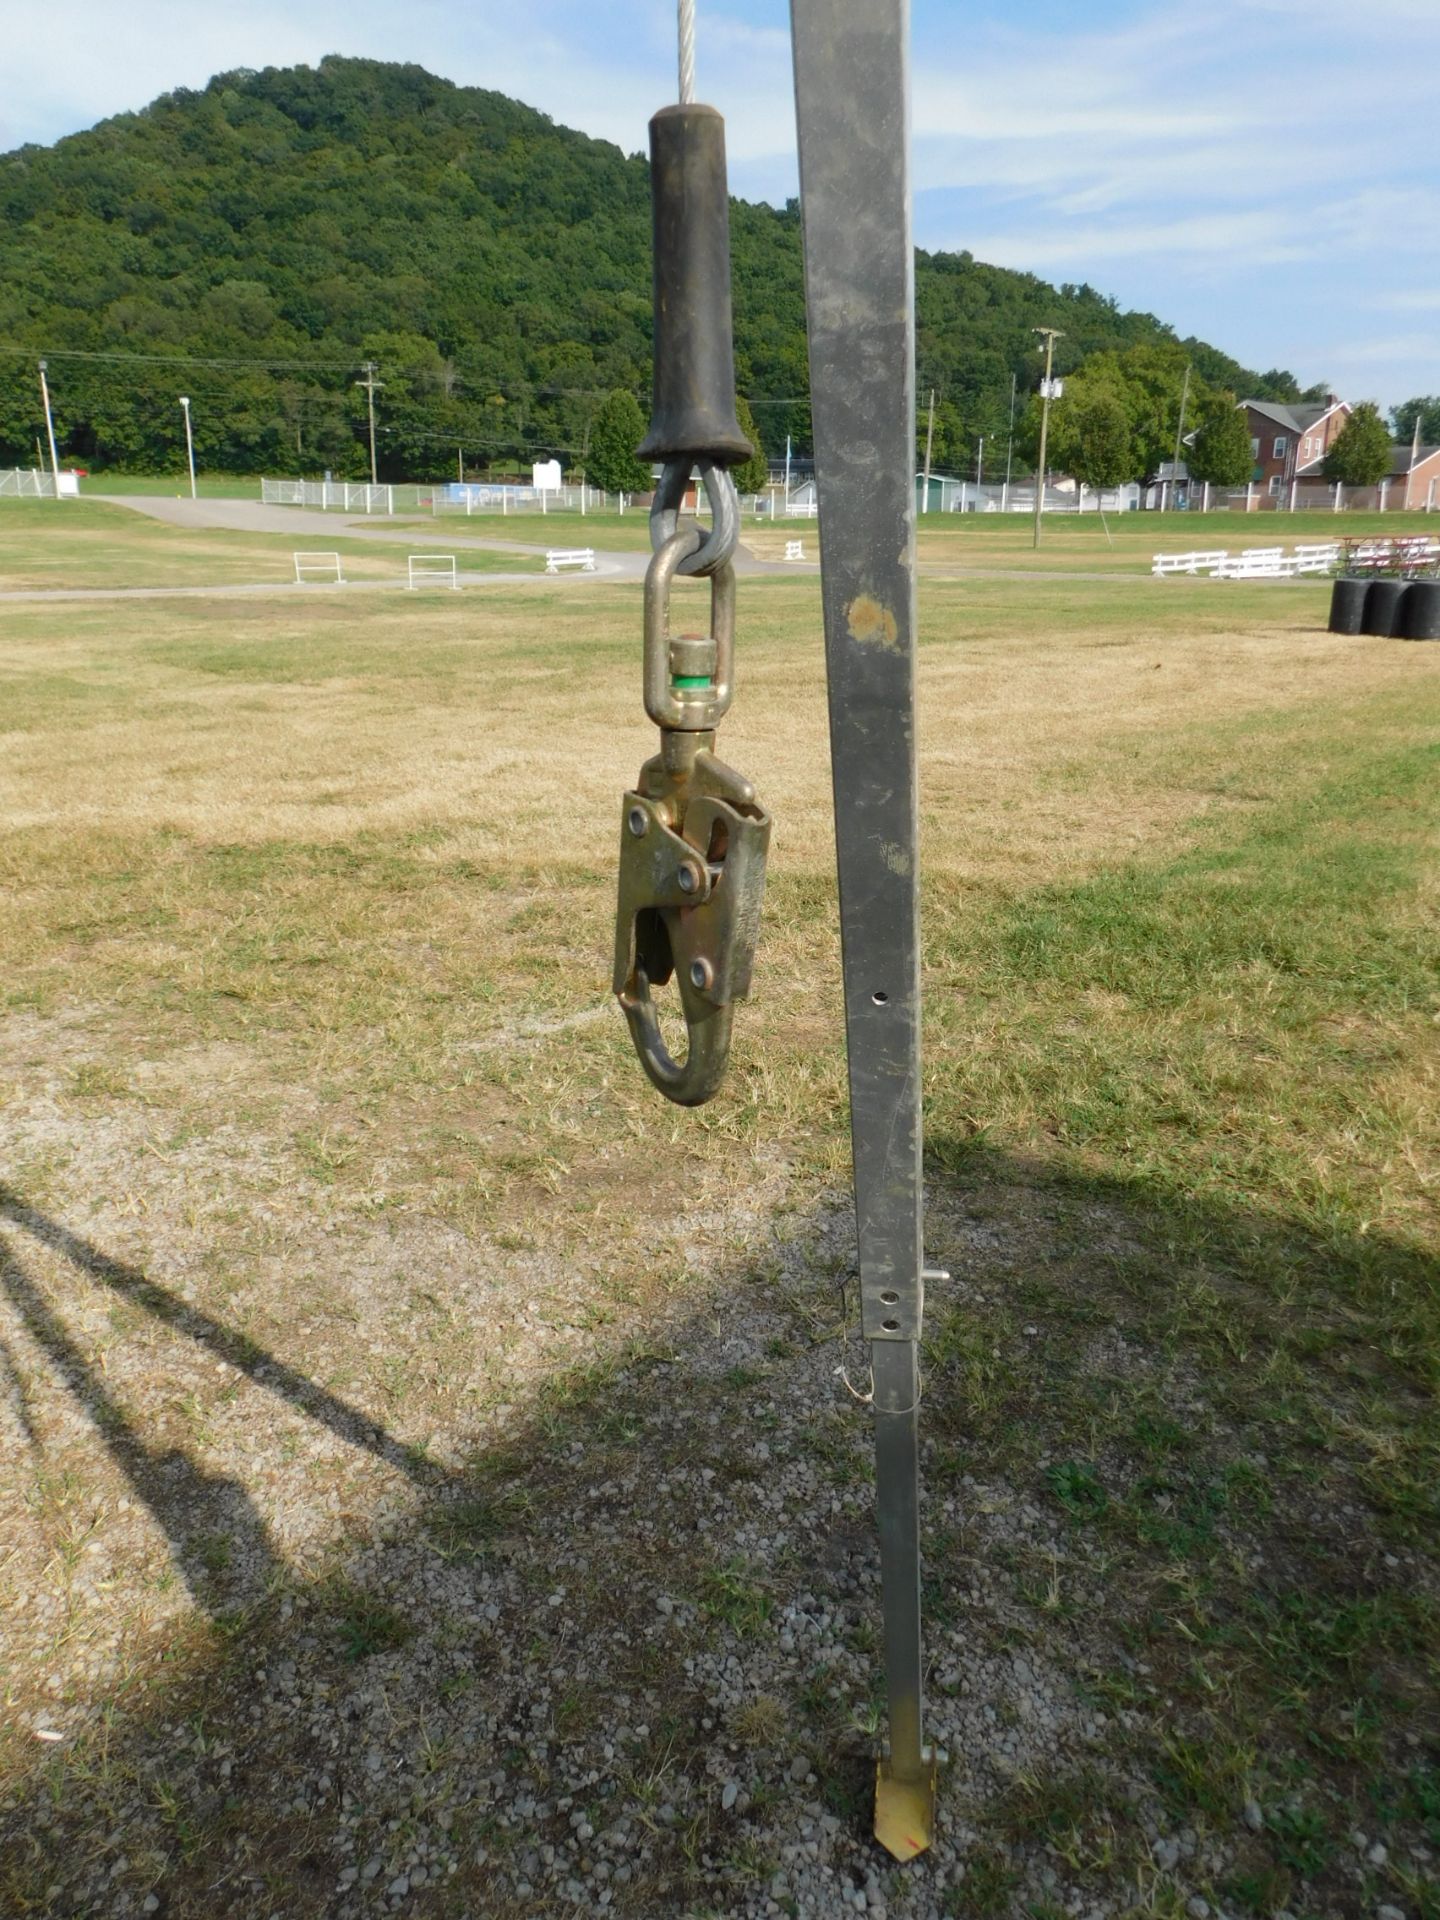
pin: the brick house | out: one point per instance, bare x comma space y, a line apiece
1411, 486
1413, 483
1290, 442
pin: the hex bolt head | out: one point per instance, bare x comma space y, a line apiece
701, 973
638, 821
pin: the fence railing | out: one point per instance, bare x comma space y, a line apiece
438, 497
32, 483
1381, 554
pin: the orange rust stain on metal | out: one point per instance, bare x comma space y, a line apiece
870, 624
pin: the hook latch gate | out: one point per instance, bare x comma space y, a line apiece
693, 845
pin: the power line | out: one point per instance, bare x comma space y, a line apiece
468, 370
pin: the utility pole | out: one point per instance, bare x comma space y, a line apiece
1052, 334
50, 430
189, 443
980, 465
460, 465
370, 383
929, 442
1009, 444
1179, 437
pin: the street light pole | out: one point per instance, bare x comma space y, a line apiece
50, 430
1052, 334
189, 443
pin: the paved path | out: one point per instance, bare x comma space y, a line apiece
250, 516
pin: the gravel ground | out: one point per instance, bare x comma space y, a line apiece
605, 1644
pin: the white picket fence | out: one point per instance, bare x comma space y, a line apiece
1274, 563
1252, 563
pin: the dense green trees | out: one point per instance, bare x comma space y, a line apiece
1220, 451
618, 429
751, 475
252, 243
1425, 408
1118, 415
1103, 453
1359, 455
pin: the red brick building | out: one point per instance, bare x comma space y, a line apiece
1290, 442
1414, 480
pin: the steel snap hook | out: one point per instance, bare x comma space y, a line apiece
693, 846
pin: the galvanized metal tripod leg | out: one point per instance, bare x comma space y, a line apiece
905, 1788
851, 94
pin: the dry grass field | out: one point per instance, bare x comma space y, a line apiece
429, 1489
99, 545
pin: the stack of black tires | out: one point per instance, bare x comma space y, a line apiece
1393, 609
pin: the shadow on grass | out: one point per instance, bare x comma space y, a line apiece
1173, 1571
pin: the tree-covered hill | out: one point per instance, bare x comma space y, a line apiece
253, 244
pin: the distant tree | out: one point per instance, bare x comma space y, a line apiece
750, 476
618, 428
1426, 408
947, 440
1220, 452
1146, 381
1102, 454
1360, 453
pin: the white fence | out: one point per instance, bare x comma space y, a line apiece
355, 497
318, 566
433, 569
1274, 563
30, 483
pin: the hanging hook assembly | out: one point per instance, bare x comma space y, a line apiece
693, 844
693, 837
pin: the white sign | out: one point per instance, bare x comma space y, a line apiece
545, 476
1051, 389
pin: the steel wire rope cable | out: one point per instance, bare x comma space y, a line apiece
687, 52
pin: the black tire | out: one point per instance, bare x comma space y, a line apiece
1420, 611
1347, 604
1382, 604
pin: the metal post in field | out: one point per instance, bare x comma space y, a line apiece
852, 105
50, 430
929, 443
371, 384
1052, 334
189, 443
1179, 436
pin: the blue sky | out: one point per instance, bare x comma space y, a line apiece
1265, 173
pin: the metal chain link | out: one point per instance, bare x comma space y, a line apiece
710, 550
